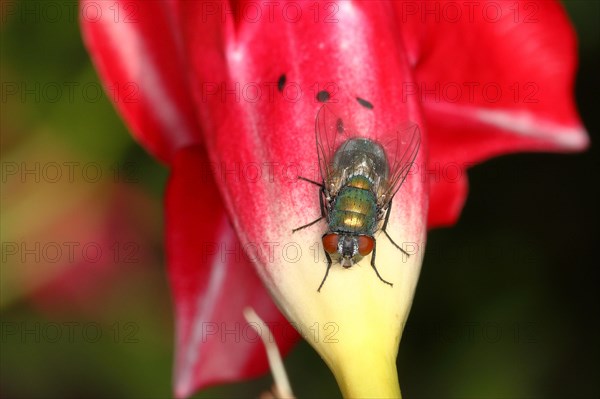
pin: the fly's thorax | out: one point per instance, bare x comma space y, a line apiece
360, 181
360, 156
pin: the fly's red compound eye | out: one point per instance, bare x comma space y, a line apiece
330, 243
365, 245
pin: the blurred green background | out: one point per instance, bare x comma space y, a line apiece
507, 304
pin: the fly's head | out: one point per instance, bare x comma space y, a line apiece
349, 248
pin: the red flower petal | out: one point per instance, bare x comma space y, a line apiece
212, 282
260, 138
248, 122
493, 78
446, 198
139, 55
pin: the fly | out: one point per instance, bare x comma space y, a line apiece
360, 177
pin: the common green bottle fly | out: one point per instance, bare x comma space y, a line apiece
359, 178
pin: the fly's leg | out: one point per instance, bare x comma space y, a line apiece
322, 205
306, 225
311, 181
321, 195
327, 271
373, 264
387, 218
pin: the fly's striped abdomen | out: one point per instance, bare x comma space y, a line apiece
355, 208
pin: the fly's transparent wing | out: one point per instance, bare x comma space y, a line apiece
332, 131
401, 152
337, 122
328, 128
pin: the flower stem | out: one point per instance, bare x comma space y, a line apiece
369, 378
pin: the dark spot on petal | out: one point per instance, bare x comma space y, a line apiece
339, 125
323, 96
364, 103
281, 82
